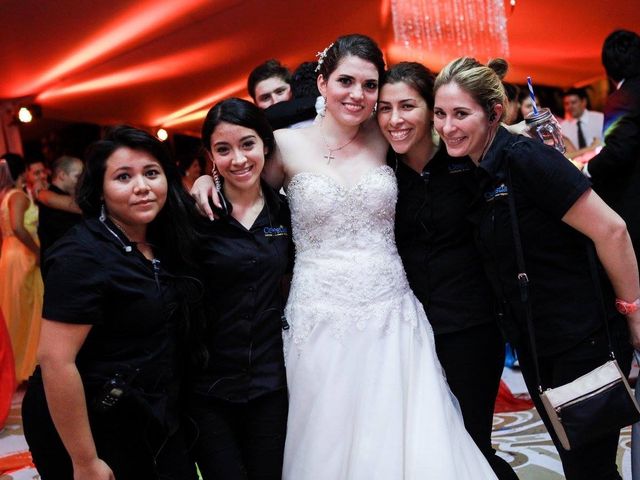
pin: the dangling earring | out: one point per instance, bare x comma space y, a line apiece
216, 178
375, 108
103, 213
225, 206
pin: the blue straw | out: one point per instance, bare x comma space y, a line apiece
532, 95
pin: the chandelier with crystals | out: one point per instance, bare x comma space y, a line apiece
451, 28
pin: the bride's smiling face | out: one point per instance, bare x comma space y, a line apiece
351, 91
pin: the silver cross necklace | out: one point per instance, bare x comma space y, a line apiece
329, 156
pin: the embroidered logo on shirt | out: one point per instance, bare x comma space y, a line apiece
280, 231
500, 191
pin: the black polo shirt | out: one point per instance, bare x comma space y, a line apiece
53, 223
243, 272
435, 242
90, 279
545, 185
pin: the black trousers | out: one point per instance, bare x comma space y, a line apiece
473, 360
240, 441
122, 439
597, 460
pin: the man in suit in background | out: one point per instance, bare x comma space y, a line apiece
615, 171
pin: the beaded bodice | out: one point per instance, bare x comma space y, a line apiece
328, 217
346, 260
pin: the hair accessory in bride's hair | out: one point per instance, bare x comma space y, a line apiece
321, 56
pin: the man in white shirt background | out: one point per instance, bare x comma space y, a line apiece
582, 127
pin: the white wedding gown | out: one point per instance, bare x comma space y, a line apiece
368, 399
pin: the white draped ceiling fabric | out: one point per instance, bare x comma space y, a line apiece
452, 28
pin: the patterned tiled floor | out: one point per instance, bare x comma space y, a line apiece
522, 439
519, 437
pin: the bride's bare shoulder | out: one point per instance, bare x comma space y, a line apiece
292, 143
290, 137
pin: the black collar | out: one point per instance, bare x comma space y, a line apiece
274, 202
494, 157
108, 231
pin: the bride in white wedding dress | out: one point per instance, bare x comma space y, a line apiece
367, 396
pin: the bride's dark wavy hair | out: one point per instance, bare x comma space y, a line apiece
357, 45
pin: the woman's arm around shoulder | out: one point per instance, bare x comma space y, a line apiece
57, 351
591, 216
274, 169
58, 201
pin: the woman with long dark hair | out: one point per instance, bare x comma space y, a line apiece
238, 398
104, 402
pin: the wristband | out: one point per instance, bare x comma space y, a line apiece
627, 308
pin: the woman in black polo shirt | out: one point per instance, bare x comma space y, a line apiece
239, 398
558, 215
435, 242
114, 318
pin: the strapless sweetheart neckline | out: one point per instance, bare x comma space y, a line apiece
335, 181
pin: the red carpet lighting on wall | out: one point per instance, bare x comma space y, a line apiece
452, 28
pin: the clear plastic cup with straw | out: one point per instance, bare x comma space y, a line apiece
541, 124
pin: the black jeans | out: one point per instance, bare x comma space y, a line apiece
122, 437
597, 460
240, 441
473, 360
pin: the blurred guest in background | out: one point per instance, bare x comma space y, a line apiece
20, 281
269, 83
55, 222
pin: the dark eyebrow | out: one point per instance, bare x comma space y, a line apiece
246, 137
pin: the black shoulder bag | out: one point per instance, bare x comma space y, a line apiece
593, 405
